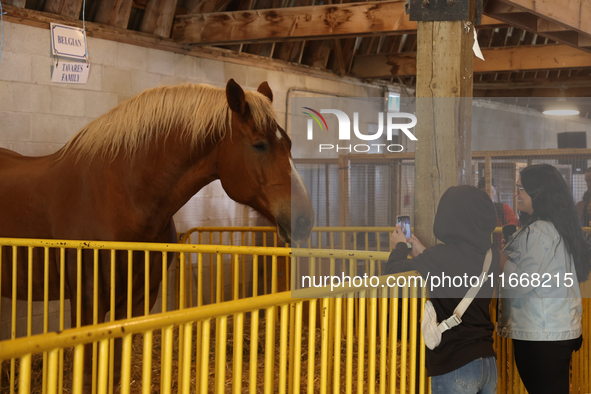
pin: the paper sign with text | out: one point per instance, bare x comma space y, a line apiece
68, 41
68, 72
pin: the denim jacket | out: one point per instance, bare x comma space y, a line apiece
547, 309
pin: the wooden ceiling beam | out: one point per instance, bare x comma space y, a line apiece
298, 23
158, 17
537, 57
114, 13
541, 83
533, 92
68, 8
573, 14
565, 21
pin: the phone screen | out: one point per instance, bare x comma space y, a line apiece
404, 222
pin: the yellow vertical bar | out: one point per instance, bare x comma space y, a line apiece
371, 380
95, 274
265, 268
297, 353
291, 347
52, 381
147, 363
236, 277
283, 349
350, 339
383, 319
182, 304
13, 317
112, 341
393, 337
130, 283
254, 345
274, 274
237, 357
78, 288
78, 369
103, 373
413, 337
30, 292
324, 338
189, 278
311, 345
361, 343
167, 360
185, 384
45, 311
218, 280
243, 266
222, 278
199, 329
404, 340
24, 375
269, 350
126, 364
220, 354
164, 350
337, 345
164, 280
423, 371
62, 316
147, 282
203, 372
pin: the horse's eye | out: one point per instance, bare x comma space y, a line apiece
260, 146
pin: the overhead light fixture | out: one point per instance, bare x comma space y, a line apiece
561, 112
560, 108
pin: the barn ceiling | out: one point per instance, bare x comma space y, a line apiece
532, 48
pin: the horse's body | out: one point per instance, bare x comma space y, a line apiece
123, 177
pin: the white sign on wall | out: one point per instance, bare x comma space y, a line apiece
68, 41
69, 72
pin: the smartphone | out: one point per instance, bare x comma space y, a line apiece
404, 222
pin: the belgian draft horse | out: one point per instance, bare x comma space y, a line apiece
124, 175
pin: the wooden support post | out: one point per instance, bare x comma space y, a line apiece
444, 113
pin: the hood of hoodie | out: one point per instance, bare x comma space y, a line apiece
465, 215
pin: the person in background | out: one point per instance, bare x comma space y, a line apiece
505, 216
464, 361
584, 207
540, 299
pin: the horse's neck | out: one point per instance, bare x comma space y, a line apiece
157, 183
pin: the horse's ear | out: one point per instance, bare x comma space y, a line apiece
235, 97
265, 90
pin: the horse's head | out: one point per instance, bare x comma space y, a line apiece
255, 165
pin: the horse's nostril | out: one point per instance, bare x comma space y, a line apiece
301, 222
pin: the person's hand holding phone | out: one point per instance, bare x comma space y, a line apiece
397, 236
417, 246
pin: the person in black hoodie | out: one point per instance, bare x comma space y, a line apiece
464, 361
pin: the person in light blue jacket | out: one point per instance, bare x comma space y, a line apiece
540, 299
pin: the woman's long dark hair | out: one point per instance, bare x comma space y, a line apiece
552, 201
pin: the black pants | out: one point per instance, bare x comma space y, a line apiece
544, 365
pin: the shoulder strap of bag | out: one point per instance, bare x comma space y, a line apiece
456, 318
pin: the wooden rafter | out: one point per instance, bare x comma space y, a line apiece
114, 12
297, 23
158, 17
67, 8
498, 59
565, 21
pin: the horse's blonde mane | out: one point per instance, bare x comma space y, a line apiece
201, 111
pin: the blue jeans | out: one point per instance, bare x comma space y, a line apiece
476, 377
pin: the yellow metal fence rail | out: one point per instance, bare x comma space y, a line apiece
375, 348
